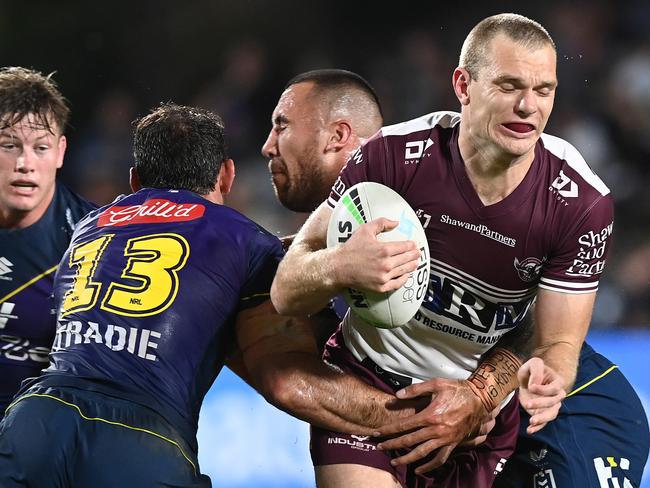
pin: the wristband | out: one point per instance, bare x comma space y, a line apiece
495, 377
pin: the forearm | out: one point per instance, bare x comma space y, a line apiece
325, 397
563, 358
495, 377
305, 281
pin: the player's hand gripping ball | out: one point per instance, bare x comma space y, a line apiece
360, 204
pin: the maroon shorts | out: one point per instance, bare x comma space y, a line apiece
466, 468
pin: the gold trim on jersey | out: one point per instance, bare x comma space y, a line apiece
593, 380
30, 282
110, 422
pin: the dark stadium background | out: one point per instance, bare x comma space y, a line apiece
117, 59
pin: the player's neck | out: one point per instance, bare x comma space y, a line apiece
494, 176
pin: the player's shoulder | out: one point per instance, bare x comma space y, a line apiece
570, 172
427, 122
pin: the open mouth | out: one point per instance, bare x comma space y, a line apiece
24, 187
520, 127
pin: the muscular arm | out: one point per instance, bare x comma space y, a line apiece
281, 360
311, 274
562, 323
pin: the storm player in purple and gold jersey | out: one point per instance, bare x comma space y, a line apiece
37, 218
512, 216
152, 295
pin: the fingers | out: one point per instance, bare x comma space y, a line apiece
438, 460
411, 439
403, 425
531, 372
382, 225
417, 389
422, 451
539, 420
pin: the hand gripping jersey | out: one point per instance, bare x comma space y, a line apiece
147, 296
28, 260
487, 262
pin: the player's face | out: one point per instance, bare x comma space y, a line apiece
294, 148
29, 158
512, 98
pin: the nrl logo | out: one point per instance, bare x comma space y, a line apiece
529, 269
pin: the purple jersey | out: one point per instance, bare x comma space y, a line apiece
487, 262
147, 296
28, 260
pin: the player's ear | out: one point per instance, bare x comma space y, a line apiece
134, 180
226, 176
62, 144
460, 81
340, 135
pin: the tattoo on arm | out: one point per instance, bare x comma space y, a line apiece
495, 377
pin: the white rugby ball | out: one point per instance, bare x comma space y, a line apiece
360, 204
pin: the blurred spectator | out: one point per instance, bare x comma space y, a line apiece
101, 155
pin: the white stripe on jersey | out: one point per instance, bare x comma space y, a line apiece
486, 288
568, 287
428, 121
565, 151
567, 291
550, 282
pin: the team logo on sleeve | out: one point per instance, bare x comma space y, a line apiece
529, 268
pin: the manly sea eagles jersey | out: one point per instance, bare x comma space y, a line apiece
487, 262
28, 260
147, 296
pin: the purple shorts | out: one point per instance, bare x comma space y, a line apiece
476, 467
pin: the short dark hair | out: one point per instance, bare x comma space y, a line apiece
336, 78
25, 91
525, 31
179, 147
342, 91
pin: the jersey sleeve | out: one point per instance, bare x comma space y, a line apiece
265, 252
579, 260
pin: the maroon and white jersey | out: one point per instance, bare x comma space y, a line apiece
487, 262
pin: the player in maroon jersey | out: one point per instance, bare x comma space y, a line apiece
487, 190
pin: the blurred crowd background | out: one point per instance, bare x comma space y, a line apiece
115, 60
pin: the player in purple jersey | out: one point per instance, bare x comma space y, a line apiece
37, 218
152, 295
511, 216
321, 118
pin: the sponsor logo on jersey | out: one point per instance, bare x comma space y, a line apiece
354, 443
544, 479
360, 438
155, 211
339, 187
5, 268
357, 157
18, 349
416, 149
529, 269
564, 187
499, 467
612, 473
482, 229
590, 258
5, 313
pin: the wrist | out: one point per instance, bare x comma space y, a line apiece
495, 378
